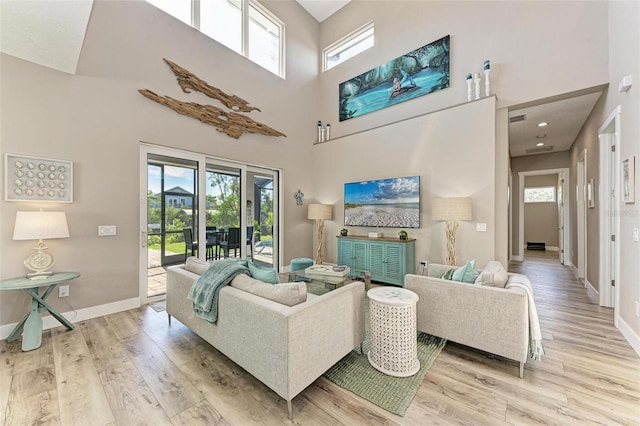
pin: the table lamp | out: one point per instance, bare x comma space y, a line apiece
39, 226
319, 213
452, 210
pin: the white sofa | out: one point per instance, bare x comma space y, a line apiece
285, 347
491, 319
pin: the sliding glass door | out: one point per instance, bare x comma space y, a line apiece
210, 208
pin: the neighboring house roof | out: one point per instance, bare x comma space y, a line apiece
179, 190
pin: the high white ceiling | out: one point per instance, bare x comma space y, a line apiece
49, 33
322, 9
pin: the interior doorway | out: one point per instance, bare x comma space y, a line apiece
563, 211
581, 216
609, 199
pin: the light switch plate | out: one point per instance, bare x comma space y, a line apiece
481, 227
636, 234
106, 230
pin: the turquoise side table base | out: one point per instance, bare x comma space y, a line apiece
30, 326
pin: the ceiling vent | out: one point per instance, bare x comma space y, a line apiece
539, 150
517, 118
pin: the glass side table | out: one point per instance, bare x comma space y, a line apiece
30, 326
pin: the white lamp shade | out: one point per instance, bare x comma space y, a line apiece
451, 209
319, 211
40, 225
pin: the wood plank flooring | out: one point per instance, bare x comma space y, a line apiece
132, 368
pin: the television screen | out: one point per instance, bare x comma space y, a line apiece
390, 203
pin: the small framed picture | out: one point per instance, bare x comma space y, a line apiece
629, 180
37, 179
591, 202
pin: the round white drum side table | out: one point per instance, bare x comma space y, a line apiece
392, 323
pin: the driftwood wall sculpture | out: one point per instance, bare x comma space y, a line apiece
230, 123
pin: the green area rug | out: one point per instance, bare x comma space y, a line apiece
394, 394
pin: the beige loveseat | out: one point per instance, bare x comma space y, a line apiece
491, 319
285, 347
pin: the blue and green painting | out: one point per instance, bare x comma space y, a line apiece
417, 73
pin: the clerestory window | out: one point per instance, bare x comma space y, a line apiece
348, 47
244, 26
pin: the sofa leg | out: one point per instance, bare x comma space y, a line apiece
169, 315
290, 409
362, 348
521, 369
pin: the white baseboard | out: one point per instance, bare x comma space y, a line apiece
630, 335
552, 248
79, 315
588, 285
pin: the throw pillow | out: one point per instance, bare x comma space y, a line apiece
448, 275
268, 275
493, 275
288, 294
466, 273
196, 265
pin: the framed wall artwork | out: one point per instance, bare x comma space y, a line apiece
37, 179
629, 179
591, 202
417, 73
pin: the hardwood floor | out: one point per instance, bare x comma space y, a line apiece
132, 368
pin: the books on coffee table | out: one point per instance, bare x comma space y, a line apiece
329, 270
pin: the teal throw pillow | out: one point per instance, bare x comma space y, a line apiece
448, 275
466, 273
267, 275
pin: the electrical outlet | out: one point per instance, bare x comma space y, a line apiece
637, 309
481, 227
424, 263
63, 291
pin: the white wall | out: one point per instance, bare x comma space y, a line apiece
97, 119
623, 59
537, 49
453, 152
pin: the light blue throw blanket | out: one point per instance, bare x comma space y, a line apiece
205, 290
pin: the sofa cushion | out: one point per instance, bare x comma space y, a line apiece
493, 275
466, 273
289, 294
268, 275
196, 265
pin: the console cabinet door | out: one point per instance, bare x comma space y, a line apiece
394, 256
377, 269
360, 256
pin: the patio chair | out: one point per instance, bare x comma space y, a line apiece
189, 244
232, 242
250, 240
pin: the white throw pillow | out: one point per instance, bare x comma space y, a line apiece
493, 275
196, 265
289, 294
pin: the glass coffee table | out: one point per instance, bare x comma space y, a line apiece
318, 282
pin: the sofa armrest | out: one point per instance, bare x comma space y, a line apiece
323, 331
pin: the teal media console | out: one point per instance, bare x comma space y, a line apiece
387, 259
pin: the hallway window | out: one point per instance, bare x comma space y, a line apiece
545, 194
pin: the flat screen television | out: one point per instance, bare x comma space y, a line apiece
387, 203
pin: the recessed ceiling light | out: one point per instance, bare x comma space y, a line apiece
544, 123
540, 144
542, 136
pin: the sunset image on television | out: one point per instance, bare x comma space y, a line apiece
390, 203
